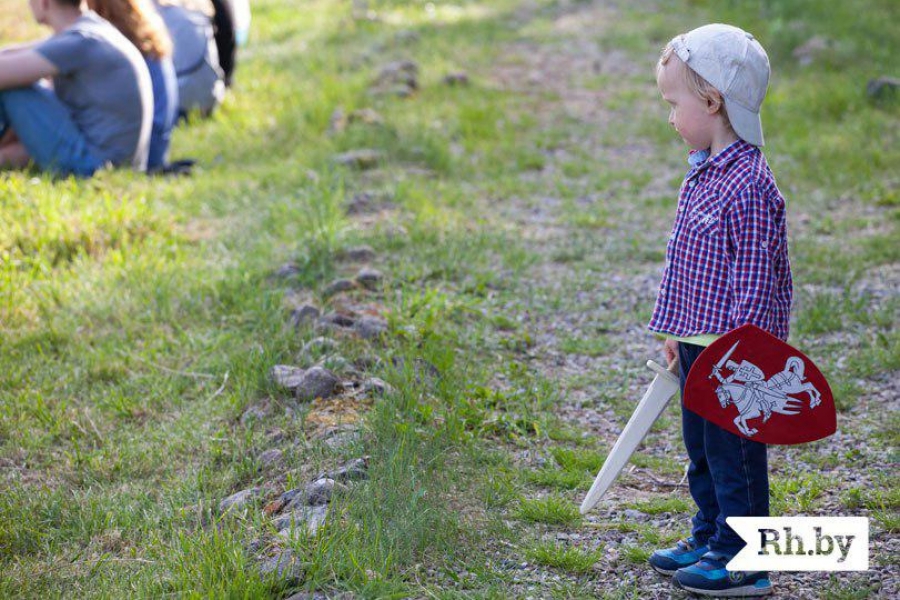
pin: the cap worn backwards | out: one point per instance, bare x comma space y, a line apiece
734, 63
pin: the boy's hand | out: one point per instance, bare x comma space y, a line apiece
670, 349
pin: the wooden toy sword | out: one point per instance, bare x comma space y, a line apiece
664, 386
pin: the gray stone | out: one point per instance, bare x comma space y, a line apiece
401, 73
364, 158
341, 439
459, 78
254, 413
336, 320
309, 596
352, 470
304, 314
283, 565
319, 491
238, 500
289, 495
636, 515
315, 493
270, 457
373, 386
883, 88
337, 286
370, 328
287, 376
317, 382
302, 518
367, 362
368, 203
421, 367
358, 253
287, 270
369, 278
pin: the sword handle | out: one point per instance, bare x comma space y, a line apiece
670, 373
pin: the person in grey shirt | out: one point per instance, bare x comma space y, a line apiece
201, 84
99, 109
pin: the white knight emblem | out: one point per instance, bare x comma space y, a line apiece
755, 396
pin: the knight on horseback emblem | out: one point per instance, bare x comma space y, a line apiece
755, 396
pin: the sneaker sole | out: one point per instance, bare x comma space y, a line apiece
748, 591
663, 571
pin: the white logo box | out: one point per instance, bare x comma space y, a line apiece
801, 544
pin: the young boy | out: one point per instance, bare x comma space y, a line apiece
726, 265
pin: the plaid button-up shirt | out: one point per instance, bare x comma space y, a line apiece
727, 257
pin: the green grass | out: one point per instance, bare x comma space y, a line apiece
597, 346
558, 479
552, 510
838, 589
139, 317
635, 554
796, 493
563, 557
578, 459
658, 506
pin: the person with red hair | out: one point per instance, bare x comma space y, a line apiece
139, 21
98, 111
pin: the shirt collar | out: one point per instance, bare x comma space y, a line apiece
700, 159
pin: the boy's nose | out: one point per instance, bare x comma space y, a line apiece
672, 118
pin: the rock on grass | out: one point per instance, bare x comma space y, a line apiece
283, 565
317, 382
238, 500
309, 384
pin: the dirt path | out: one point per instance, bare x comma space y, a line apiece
605, 292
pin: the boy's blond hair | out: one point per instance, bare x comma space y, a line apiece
697, 84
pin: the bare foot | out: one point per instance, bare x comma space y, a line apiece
14, 156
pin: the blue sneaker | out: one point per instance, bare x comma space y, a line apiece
685, 553
708, 577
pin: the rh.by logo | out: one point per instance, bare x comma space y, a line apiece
793, 544
801, 544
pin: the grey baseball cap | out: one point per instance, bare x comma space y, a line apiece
734, 63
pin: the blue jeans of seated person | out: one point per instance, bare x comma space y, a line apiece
728, 475
165, 110
46, 129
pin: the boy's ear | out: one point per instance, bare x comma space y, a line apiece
714, 103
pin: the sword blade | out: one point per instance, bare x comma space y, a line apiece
727, 355
657, 396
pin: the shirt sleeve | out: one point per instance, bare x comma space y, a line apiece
68, 51
751, 232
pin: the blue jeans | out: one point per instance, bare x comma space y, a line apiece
45, 127
728, 475
165, 110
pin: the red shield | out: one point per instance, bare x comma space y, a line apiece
758, 387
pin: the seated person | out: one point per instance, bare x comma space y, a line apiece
232, 26
141, 24
201, 84
230, 21
99, 109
